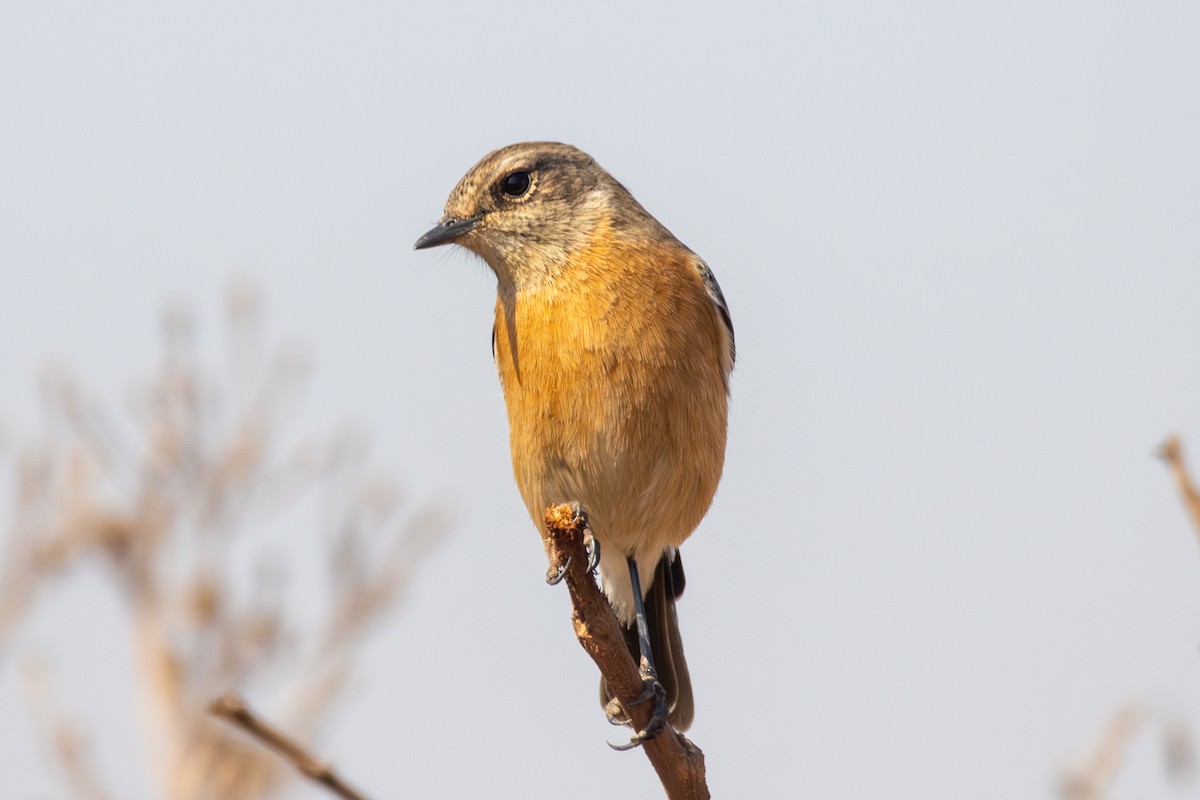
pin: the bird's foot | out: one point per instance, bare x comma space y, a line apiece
591, 544
616, 713
652, 690
555, 574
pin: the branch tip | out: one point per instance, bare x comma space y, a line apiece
233, 709
678, 762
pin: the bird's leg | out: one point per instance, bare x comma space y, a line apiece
651, 688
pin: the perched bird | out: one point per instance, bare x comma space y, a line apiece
614, 346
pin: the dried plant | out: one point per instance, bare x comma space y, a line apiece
166, 499
1171, 451
1092, 778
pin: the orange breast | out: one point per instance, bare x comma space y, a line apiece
615, 392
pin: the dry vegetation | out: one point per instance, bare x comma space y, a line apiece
169, 498
1092, 777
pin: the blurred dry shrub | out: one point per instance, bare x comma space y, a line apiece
165, 498
1092, 777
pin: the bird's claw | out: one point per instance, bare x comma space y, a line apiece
554, 575
592, 544
651, 690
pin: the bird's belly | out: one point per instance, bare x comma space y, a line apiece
642, 495
645, 480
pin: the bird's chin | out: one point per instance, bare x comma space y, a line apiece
495, 255
518, 262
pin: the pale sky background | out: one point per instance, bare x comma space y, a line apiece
961, 246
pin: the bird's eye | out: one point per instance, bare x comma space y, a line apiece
515, 184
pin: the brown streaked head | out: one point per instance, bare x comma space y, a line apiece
526, 207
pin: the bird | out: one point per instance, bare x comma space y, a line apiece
614, 345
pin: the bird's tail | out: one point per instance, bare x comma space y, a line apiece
665, 642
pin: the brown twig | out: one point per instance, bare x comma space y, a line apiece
1091, 779
678, 762
233, 709
1171, 452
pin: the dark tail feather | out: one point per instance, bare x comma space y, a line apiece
665, 642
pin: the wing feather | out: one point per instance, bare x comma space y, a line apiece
718, 298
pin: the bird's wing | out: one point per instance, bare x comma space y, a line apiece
718, 298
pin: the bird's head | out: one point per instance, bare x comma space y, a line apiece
528, 207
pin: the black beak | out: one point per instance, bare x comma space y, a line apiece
446, 231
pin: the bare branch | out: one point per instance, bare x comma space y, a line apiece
678, 762
1171, 452
231, 708
1091, 779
